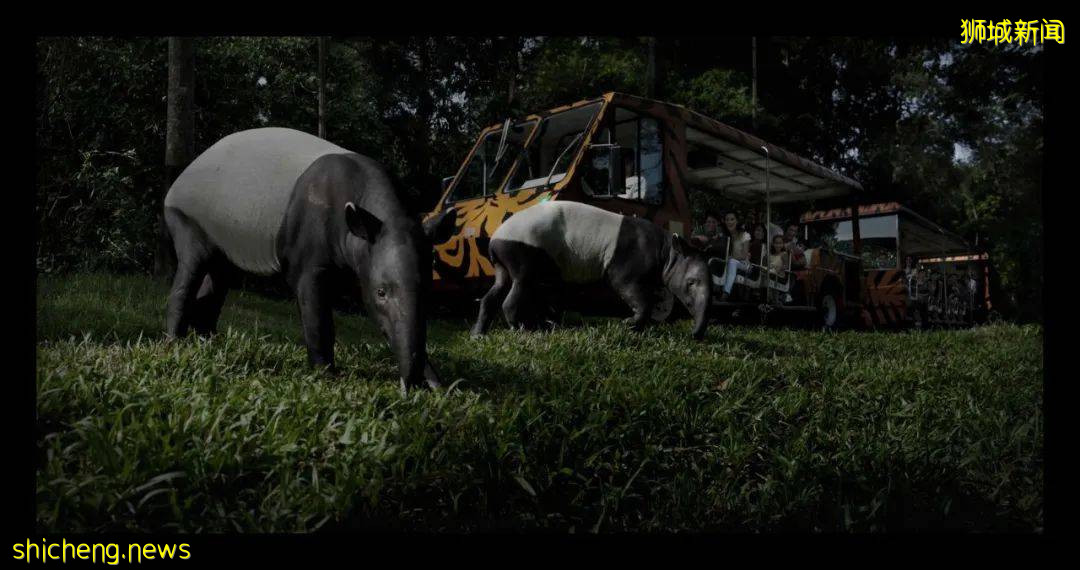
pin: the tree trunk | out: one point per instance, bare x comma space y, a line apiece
753, 83
651, 84
179, 137
515, 46
322, 86
425, 182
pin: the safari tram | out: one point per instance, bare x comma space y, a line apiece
650, 159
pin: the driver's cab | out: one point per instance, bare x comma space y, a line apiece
625, 160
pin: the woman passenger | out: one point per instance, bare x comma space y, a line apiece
739, 240
743, 256
778, 256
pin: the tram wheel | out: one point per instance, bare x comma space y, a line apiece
828, 311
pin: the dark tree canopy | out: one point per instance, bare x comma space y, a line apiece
953, 130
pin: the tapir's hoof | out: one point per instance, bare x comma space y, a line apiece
635, 325
431, 383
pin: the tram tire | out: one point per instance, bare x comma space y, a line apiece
828, 304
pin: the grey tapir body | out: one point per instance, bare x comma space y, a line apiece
578, 243
279, 201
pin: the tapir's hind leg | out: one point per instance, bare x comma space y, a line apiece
522, 288
193, 251
211, 296
491, 299
512, 305
529, 267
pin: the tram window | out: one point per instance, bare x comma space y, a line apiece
553, 149
642, 157
475, 179
879, 240
877, 253
485, 172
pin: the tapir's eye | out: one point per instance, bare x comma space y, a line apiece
381, 293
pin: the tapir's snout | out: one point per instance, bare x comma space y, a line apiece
410, 353
701, 321
702, 298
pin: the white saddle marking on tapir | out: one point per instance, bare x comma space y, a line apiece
580, 238
239, 188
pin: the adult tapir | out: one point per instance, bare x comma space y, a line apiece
280, 201
578, 243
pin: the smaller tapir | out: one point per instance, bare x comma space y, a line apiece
279, 201
578, 243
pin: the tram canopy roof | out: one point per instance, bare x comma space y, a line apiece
741, 161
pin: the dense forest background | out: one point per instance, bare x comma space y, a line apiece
955, 131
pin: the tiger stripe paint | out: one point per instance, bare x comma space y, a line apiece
465, 255
886, 296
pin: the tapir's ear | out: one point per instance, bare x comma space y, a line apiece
441, 228
362, 223
679, 244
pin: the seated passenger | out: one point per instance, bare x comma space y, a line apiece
919, 283
909, 272
794, 248
743, 258
775, 230
778, 257
758, 247
635, 186
740, 240
711, 240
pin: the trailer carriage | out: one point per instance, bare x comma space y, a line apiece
914, 271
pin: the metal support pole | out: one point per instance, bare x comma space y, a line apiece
768, 198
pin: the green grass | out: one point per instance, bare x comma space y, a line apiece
588, 428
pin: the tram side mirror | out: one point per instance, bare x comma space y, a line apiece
616, 178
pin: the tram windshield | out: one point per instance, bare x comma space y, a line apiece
879, 235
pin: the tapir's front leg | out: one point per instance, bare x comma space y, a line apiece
638, 298
431, 376
316, 314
